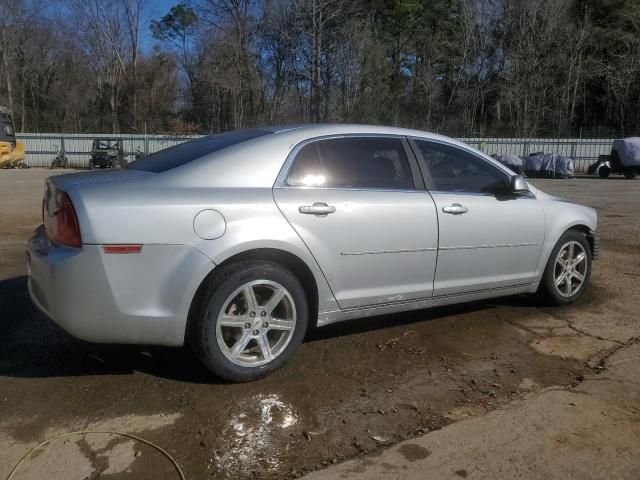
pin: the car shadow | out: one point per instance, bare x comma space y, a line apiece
380, 322
33, 346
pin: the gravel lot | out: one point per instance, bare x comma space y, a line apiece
352, 389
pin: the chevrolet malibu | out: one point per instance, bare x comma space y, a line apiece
237, 243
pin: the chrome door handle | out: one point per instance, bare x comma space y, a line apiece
318, 208
455, 209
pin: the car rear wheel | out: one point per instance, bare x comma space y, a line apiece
253, 316
568, 269
629, 173
603, 171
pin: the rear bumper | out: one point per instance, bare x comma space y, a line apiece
141, 298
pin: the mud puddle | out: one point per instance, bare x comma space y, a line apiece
358, 392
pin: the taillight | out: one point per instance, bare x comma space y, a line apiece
62, 227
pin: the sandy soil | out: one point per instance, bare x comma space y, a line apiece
353, 388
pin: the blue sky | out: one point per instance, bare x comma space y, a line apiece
155, 10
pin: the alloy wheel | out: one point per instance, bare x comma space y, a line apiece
570, 268
256, 323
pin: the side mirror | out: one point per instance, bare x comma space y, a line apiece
519, 184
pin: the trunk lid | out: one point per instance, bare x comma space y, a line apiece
114, 175
57, 185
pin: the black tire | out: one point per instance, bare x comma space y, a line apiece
202, 332
603, 171
629, 173
547, 289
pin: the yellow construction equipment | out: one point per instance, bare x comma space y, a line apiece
11, 151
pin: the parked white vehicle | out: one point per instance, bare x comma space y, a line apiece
239, 242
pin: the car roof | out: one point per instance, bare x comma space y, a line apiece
316, 129
300, 132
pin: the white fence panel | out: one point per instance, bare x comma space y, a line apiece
41, 147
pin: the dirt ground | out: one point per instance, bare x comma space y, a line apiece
353, 389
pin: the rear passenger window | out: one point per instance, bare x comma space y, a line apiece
451, 169
362, 162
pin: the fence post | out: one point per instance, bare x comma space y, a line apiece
145, 142
63, 150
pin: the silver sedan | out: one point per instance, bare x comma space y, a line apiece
238, 243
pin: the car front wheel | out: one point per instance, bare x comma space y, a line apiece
252, 317
568, 269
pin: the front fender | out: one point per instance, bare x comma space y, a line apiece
560, 216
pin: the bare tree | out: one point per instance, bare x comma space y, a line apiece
133, 13
8, 26
279, 36
536, 36
319, 19
101, 31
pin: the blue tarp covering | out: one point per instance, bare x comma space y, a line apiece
550, 165
513, 162
628, 151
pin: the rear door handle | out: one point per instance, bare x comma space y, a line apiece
455, 209
318, 208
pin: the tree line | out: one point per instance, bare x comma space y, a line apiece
461, 67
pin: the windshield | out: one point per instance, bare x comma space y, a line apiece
187, 152
6, 127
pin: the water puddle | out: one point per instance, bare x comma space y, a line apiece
253, 438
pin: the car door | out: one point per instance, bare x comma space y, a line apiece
489, 237
353, 200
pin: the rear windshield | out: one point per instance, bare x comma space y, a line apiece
189, 151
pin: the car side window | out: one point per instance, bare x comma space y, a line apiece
451, 169
352, 162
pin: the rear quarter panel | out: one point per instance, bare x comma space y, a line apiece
152, 210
